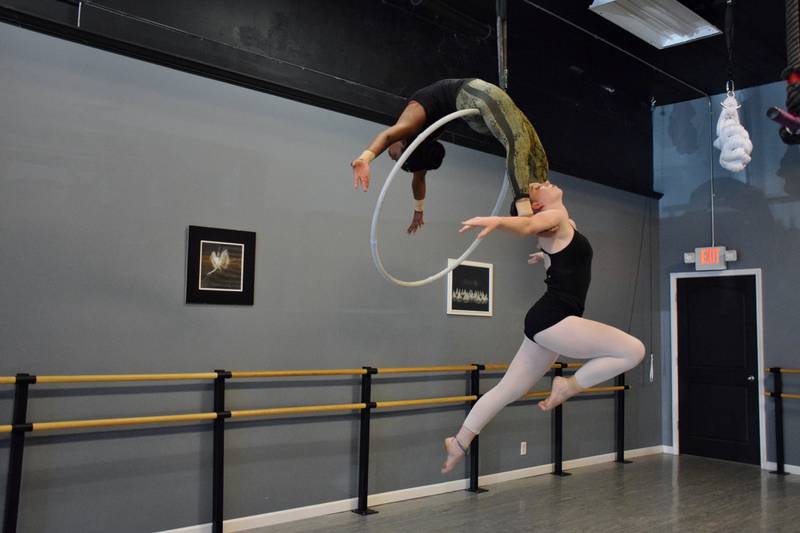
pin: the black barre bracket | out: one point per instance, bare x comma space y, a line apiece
20, 426
218, 469
557, 417
777, 385
363, 447
475, 455
619, 400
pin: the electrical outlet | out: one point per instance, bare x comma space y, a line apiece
523, 448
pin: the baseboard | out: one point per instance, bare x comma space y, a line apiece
790, 469
299, 513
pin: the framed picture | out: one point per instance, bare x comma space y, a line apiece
470, 289
220, 266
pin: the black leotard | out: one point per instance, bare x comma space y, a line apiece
567, 282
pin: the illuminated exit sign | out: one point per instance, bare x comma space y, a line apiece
710, 258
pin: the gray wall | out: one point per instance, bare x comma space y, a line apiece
757, 213
105, 161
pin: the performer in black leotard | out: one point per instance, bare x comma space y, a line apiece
567, 282
526, 161
554, 325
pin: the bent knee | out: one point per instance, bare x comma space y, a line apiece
636, 351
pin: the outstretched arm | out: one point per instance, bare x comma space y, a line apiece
519, 225
410, 122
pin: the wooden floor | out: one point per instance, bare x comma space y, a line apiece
655, 493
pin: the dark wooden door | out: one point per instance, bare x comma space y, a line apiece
718, 368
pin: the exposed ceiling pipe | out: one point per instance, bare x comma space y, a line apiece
502, 43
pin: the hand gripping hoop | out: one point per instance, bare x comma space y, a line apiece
373, 236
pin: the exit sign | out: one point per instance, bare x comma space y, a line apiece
710, 258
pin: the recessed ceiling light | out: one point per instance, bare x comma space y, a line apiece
662, 23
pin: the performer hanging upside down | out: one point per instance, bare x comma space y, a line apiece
526, 160
553, 325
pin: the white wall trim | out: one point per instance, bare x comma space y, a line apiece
299, 513
790, 469
673, 304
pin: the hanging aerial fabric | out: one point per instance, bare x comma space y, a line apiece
732, 139
790, 119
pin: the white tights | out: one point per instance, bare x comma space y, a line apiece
610, 351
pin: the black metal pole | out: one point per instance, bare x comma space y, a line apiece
620, 419
17, 446
558, 430
474, 448
777, 395
218, 481
502, 43
363, 447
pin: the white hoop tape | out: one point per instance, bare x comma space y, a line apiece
373, 235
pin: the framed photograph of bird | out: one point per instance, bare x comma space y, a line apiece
220, 266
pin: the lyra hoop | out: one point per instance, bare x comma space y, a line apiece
373, 235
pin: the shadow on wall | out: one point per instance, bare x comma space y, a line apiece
789, 170
682, 132
764, 230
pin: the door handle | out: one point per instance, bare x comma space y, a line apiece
751, 378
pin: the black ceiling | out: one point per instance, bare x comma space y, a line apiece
539, 36
589, 99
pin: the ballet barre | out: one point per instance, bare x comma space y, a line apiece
20, 426
778, 395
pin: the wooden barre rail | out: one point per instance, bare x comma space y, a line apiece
116, 378
305, 409
542, 394
294, 373
505, 367
111, 378
426, 401
107, 422
411, 370
783, 395
90, 378
172, 419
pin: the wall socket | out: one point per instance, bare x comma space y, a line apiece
523, 447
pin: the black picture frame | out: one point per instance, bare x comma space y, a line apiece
470, 289
220, 266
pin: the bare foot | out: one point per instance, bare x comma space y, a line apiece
454, 454
563, 389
